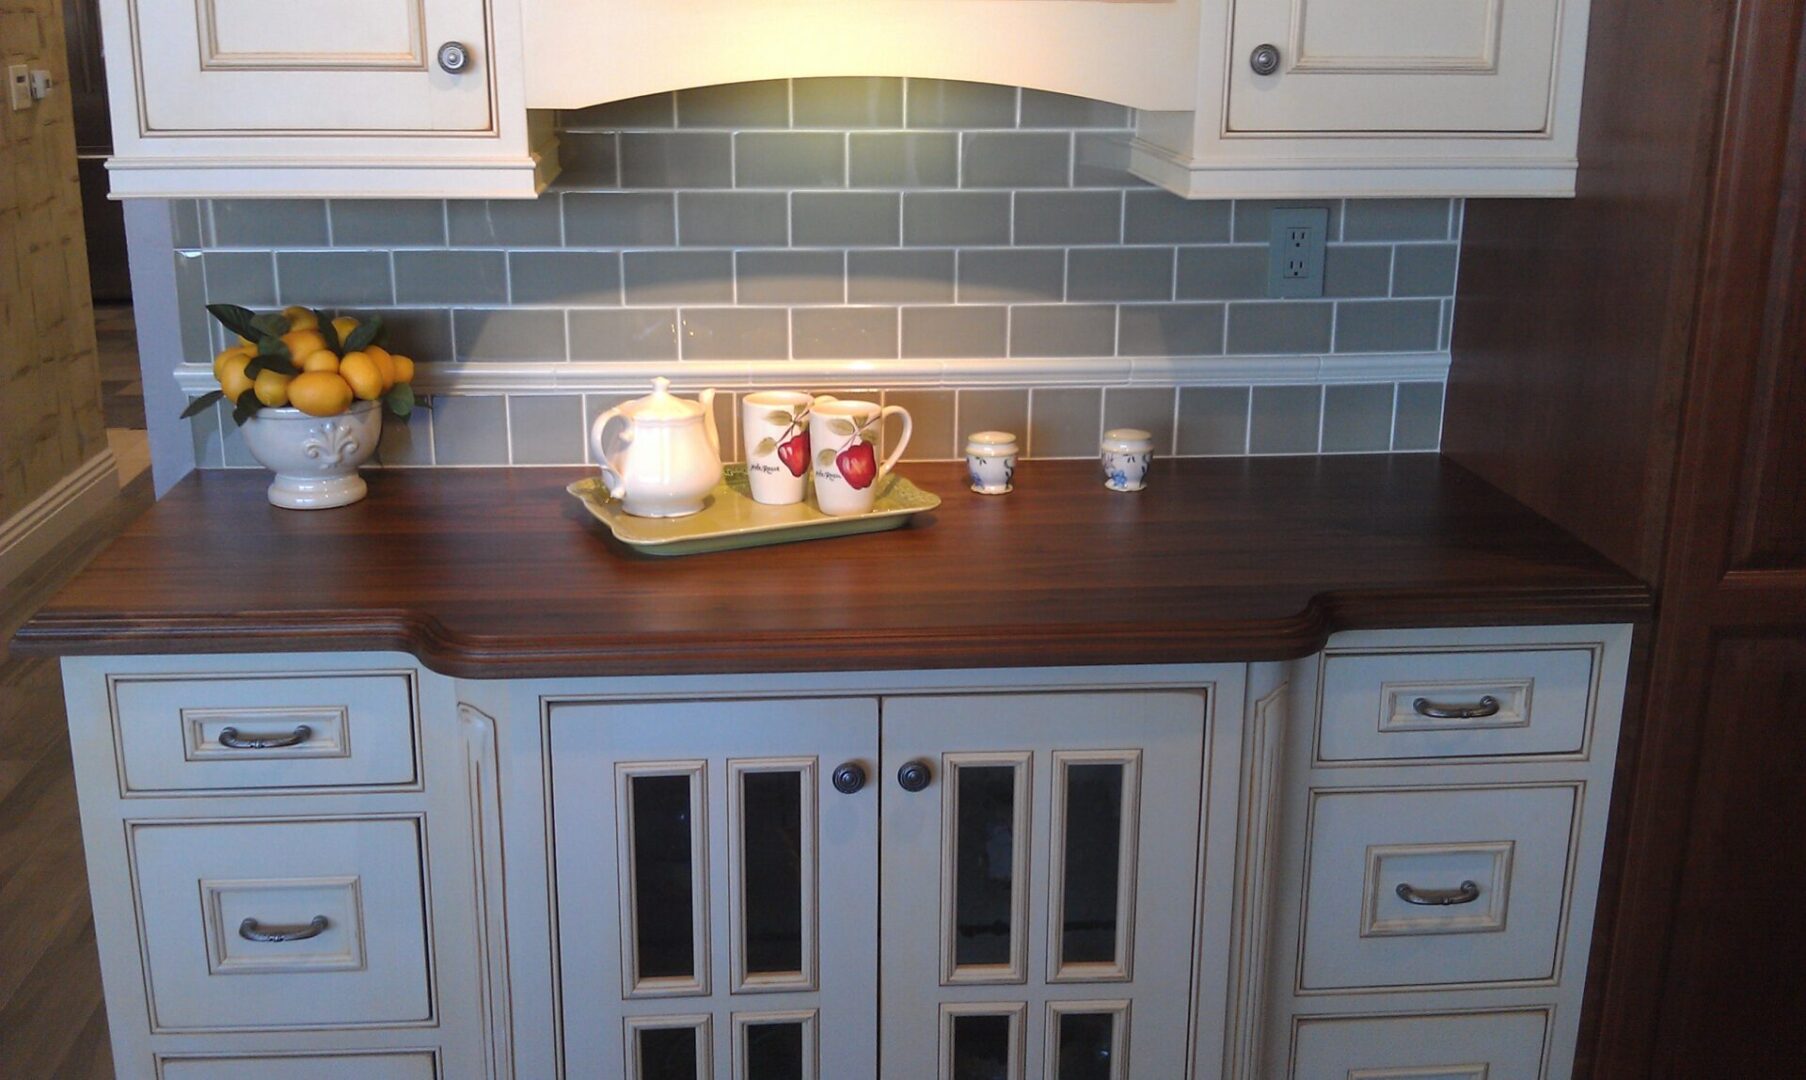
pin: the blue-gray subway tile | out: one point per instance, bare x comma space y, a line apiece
943, 103
1388, 325
1011, 275
994, 410
654, 111
790, 277
1222, 273
1064, 421
1423, 270
956, 217
267, 222
1042, 109
588, 160
858, 102
1016, 159
843, 333
406, 440
423, 334
1148, 408
185, 223
1170, 330
546, 429
247, 278
834, 218
1357, 418
1284, 419
1154, 216
1063, 330
733, 219
901, 159
931, 415
1069, 217
624, 334
582, 278
678, 277
914, 276
1396, 219
1213, 420
204, 432
1101, 159
232, 444
1448, 323
735, 334
620, 219
470, 430
195, 326
1127, 273
387, 223
790, 159
677, 159
1418, 425
451, 277
317, 278
1251, 217
967, 331
508, 334
505, 222
735, 105
1280, 327
1357, 270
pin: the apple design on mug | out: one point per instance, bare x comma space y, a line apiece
859, 464
794, 452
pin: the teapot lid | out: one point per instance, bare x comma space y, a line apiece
661, 404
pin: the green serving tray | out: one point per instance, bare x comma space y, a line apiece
730, 520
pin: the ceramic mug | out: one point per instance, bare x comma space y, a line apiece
844, 435
774, 425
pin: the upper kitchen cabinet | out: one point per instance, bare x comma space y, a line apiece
320, 97
1376, 97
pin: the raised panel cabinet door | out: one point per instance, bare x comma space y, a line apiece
309, 66
1393, 65
1039, 880
716, 867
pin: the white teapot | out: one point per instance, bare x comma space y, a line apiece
660, 454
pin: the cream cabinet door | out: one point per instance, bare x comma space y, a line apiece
1039, 879
1393, 65
716, 881
309, 66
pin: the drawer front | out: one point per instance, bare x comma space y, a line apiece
1434, 887
1438, 705
1457, 1046
397, 1065
216, 899
263, 734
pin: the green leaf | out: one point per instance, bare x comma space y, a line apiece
365, 333
400, 399
236, 319
272, 355
246, 408
202, 403
841, 426
271, 323
766, 446
824, 459
328, 331
780, 416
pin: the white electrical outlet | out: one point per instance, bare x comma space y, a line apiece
18, 86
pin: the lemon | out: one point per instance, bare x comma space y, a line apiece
235, 352
321, 360
299, 318
344, 324
303, 342
272, 388
384, 363
319, 393
404, 369
362, 372
233, 380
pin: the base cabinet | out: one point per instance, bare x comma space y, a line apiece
1378, 862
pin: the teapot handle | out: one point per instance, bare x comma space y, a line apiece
707, 400
614, 466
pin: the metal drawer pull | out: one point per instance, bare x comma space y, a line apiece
228, 738
250, 932
1467, 893
1486, 706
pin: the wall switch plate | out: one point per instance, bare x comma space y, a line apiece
18, 86
1295, 251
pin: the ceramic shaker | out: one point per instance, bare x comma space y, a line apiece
991, 461
1126, 454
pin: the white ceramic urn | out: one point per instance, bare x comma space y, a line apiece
315, 458
660, 454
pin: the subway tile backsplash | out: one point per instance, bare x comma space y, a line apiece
822, 221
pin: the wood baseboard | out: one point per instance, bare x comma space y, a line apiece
52, 517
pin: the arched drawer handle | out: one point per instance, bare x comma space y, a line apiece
1467, 893
1486, 706
250, 931
228, 738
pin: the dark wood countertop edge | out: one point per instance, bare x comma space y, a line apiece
960, 646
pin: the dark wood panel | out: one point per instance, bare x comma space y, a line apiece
500, 573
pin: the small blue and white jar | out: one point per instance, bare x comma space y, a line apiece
1127, 453
991, 461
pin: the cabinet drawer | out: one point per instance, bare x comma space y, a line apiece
1378, 862
1505, 1045
1436, 705
260, 733
391, 1065
348, 893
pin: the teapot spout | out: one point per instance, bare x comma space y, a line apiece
707, 400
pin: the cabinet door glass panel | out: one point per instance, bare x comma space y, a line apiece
669, 1053
1017, 879
1086, 1040
982, 1043
689, 843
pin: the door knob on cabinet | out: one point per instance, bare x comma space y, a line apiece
849, 778
1264, 59
914, 776
454, 57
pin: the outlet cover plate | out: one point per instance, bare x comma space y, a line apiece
1295, 238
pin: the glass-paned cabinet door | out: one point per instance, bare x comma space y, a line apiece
716, 871
1039, 872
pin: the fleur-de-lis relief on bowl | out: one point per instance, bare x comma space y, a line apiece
331, 443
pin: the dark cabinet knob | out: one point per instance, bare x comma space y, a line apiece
849, 778
914, 776
1264, 59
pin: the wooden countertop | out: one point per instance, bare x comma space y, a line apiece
499, 573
